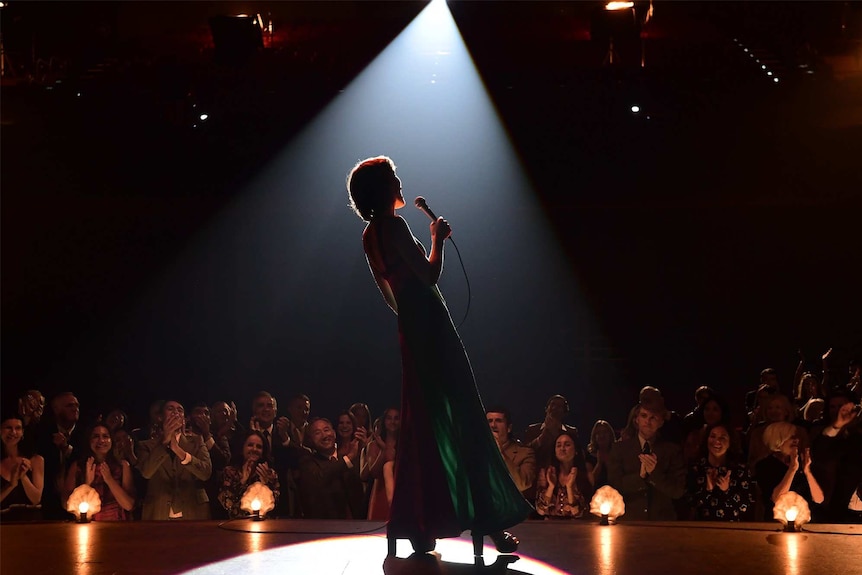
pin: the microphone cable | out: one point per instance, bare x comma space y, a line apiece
466, 279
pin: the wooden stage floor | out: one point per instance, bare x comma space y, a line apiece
359, 548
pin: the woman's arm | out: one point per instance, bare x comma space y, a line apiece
385, 288
13, 482
33, 487
373, 461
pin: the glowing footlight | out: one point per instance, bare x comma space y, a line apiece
82, 501
608, 504
257, 500
792, 511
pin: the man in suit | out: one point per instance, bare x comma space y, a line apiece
176, 467
329, 487
60, 441
520, 459
541, 437
647, 471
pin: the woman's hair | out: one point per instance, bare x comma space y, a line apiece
369, 186
593, 446
777, 433
802, 389
357, 408
814, 409
734, 451
238, 457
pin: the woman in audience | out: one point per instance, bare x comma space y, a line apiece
124, 447
380, 449
602, 439
251, 463
557, 492
361, 415
712, 411
787, 468
22, 474
776, 408
111, 477
344, 433
719, 485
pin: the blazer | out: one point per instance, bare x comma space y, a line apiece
328, 488
172, 485
651, 498
521, 461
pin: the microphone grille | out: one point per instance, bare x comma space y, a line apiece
419, 201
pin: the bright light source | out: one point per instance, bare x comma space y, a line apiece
636, 109
619, 5
769, 73
763, 66
204, 117
745, 49
775, 80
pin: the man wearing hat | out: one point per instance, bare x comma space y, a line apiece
648, 471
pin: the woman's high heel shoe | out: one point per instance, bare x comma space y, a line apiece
504, 541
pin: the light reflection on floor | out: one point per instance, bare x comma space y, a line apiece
364, 555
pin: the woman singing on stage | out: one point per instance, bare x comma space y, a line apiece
449, 475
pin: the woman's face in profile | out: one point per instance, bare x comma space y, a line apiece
253, 448
565, 449
395, 187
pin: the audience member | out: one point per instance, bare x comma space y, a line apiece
712, 412
22, 474
769, 378
776, 407
837, 454
720, 487
602, 439
31, 406
541, 437
175, 465
201, 424
250, 465
648, 471
329, 487
381, 449
786, 469
557, 492
110, 477
694, 419
59, 442
520, 459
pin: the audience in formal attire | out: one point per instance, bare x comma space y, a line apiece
22, 473
176, 466
329, 486
110, 477
60, 440
648, 471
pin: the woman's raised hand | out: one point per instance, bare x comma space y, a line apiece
551, 476
440, 229
90, 470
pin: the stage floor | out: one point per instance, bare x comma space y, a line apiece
359, 548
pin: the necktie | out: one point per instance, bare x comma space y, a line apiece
646, 448
268, 438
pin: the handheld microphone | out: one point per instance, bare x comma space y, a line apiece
423, 205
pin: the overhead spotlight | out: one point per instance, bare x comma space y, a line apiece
204, 117
775, 80
636, 109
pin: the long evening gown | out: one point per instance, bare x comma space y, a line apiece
449, 474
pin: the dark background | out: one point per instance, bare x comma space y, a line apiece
709, 242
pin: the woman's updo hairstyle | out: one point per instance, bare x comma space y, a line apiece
369, 185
